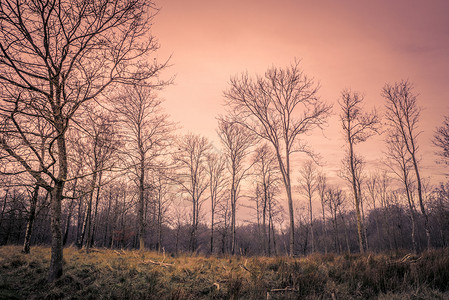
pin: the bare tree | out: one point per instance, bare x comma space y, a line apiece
402, 114
334, 199
358, 127
267, 177
161, 191
308, 185
54, 56
146, 132
279, 107
441, 140
215, 166
372, 185
96, 141
191, 175
236, 141
401, 165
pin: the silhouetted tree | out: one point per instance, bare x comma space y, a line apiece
358, 127
146, 133
279, 107
236, 141
402, 114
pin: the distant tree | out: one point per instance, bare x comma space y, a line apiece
441, 140
236, 141
440, 208
191, 175
372, 185
401, 164
308, 185
334, 199
97, 142
162, 190
402, 114
55, 56
279, 107
215, 166
321, 187
267, 177
357, 127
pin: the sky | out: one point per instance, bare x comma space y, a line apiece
361, 45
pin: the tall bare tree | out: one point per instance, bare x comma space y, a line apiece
146, 132
279, 107
402, 114
236, 141
54, 56
357, 127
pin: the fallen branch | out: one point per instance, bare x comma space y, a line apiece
158, 263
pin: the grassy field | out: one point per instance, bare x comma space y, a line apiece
113, 274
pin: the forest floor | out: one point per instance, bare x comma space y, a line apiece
118, 274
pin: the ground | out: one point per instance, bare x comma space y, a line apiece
126, 274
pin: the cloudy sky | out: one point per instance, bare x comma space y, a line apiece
342, 44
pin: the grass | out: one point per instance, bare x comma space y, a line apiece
109, 274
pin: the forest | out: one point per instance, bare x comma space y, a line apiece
90, 159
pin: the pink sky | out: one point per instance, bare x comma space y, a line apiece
343, 44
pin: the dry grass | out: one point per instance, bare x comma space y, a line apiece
109, 274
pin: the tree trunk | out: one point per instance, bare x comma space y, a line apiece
97, 200
31, 217
55, 270
421, 202
324, 226
212, 229
312, 238
285, 171
264, 225
67, 224
141, 203
233, 210
412, 218
356, 197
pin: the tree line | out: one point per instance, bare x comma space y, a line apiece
90, 158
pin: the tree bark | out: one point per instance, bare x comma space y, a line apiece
31, 217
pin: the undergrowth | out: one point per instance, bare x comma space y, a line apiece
114, 274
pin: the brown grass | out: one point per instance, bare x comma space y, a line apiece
109, 274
